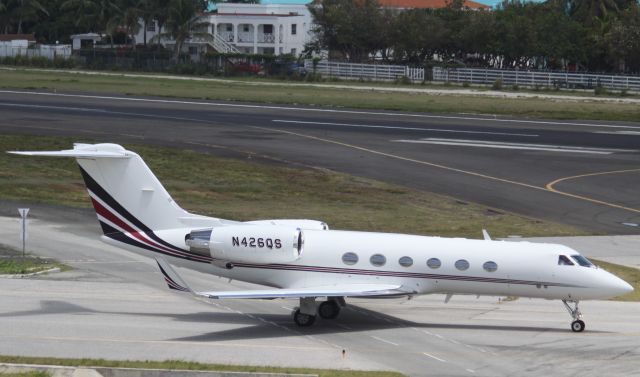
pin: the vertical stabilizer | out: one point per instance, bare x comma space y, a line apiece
126, 195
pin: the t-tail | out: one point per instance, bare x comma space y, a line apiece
126, 195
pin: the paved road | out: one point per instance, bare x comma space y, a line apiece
580, 173
115, 305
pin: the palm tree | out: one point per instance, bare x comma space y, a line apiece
17, 12
183, 22
92, 15
589, 11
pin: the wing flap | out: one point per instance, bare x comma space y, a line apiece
350, 290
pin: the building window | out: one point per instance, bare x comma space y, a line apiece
294, 29
350, 258
462, 264
267, 29
193, 51
490, 266
294, 51
378, 260
229, 27
151, 26
405, 261
245, 28
434, 263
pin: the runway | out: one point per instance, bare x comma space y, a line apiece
580, 173
115, 305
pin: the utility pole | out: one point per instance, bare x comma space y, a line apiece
23, 231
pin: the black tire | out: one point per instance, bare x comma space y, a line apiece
329, 310
303, 320
577, 326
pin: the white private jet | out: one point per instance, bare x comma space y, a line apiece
304, 259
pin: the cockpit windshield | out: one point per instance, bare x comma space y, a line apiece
584, 262
563, 260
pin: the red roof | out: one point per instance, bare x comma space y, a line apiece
428, 4
17, 37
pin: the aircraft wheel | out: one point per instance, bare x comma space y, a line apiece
329, 310
303, 320
577, 326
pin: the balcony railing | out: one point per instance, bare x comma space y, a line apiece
245, 37
266, 38
227, 36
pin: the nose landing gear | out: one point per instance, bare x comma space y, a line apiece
578, 324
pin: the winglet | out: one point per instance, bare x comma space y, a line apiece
174, 281
486, 235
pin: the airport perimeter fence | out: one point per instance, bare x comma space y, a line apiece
50, 52
376, 72
536, 78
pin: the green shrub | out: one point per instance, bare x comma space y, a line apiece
497, 85
600, 90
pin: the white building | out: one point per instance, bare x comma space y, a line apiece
248, 28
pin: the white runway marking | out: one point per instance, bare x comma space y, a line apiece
434, 357
402, 128
318, 110
384, 340
518, 146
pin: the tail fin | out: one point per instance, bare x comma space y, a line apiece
124, 192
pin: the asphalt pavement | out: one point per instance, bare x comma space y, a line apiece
582, 173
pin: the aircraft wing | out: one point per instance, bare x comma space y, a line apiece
351, 290
175, 282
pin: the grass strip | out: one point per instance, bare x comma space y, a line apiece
248, 190
238, 90
26, 374
13, 263
188, 365
629, 274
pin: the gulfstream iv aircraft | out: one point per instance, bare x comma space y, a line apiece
304, 259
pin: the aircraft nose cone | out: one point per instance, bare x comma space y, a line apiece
620, 287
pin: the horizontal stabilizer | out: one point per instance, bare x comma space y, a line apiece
82, 151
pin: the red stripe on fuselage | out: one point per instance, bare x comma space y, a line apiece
104, 212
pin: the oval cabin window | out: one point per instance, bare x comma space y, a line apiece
350, 258
462, 264
434, 263
378, 260
490, 266
405, 261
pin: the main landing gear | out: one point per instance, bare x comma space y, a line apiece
305, 315
578, 324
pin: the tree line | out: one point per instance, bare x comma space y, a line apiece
594, 35
56, 20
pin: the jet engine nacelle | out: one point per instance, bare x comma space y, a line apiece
248, 244
302, 224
